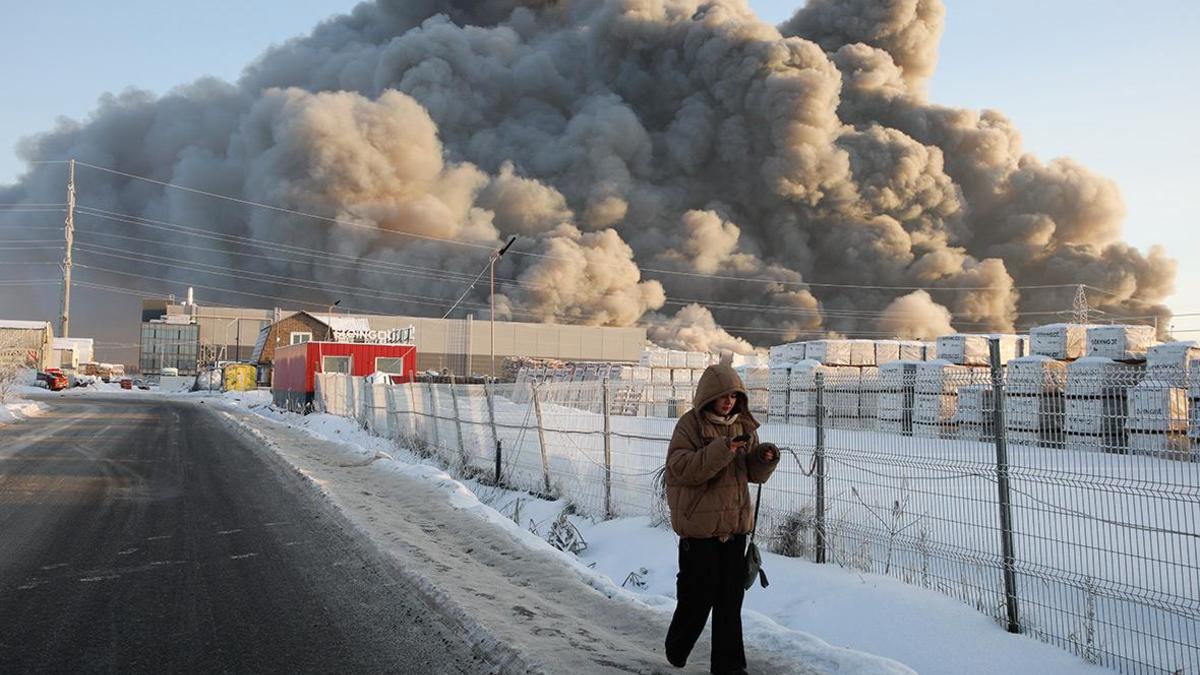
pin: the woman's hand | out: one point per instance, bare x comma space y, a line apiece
736, 446
769, 452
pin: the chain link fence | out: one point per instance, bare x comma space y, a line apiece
1069, 512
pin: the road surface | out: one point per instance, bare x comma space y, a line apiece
138, 535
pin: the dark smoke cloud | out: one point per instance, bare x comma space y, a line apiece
622, 135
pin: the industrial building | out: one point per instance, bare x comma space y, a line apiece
27, 343
461, 346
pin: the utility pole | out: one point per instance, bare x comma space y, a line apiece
65, 327
492, 298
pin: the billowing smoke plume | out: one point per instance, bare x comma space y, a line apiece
674, 162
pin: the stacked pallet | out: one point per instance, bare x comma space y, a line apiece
1096, 400
802, 390
1158, 405
1109, 414
974, 415
897, 383
967, 349
756, 380
1033, 401
781, 359
935, 398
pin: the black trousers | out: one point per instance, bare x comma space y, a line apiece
710, 579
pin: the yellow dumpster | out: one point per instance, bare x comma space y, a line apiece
240, 377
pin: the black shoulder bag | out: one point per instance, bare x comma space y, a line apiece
754, 568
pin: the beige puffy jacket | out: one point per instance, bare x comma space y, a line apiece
708, 484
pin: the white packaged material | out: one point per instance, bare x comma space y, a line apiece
974, 404
943, 377
698, 360
1099, 415
1036, 375
974, 432
754, 377
1153, 407
1100, 376
925, 430
1039, 413
1120, 342
929, 351
681, 376
1168, 445
891, 406
1168, 364
963, 349
787, 353
843, 403
677, 359
910, 350
660, 375
933, 408
829, 352
1027, 437
640, 373
886, 351
777, 378
1116, 443
862, 352
890, 426
1059, 340
896, 375
803, 374
654, 357
1194, 384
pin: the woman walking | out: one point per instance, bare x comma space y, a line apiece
713, 455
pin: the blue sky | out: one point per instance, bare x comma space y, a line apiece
1111, 83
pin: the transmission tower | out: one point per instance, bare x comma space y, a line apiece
1081, 306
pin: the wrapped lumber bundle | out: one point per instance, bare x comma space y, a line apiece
1120, 342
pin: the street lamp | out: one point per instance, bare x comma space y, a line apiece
492, 299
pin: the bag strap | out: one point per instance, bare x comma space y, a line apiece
757, 501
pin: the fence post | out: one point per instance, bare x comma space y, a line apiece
537, 410
462, 450
412, 402
819, 466
1006, 534
491, 404
433, 406
608, 509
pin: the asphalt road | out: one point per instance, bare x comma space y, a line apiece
140, 535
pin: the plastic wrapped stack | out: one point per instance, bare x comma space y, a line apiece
1033, 401
897, 382
974, 415
1059, 341
781, 359
756, 380
802, 391
935, 396
868, 399
966, 349
1120, 342
1158, 405
1096, 403
843, 396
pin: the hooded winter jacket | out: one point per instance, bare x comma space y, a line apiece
707, 483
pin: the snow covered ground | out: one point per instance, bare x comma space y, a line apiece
20, 408
486, 551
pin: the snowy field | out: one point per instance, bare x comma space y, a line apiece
633, 561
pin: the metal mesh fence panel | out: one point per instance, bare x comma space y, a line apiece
1060, 499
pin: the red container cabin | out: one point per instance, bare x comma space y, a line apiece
295, 367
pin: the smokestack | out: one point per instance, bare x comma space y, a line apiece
614, 136
190, 297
